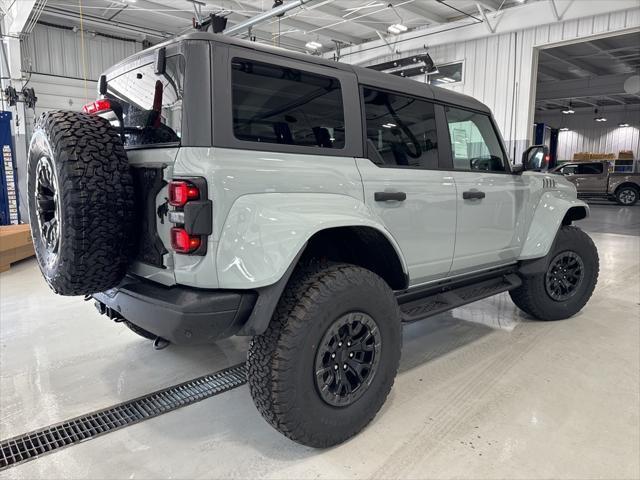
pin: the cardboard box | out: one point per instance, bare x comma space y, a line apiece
625, 155
15, 244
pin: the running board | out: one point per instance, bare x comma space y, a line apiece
447, 299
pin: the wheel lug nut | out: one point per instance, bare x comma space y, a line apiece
344, 366
348, 344
339, 344
333, 355
351, 355
335, 367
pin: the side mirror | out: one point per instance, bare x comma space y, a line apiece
536, 158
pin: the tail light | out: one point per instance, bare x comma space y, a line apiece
182, 242
101, 105
191, 214
181, 192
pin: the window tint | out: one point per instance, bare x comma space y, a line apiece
569, 169
274, 104
151, 104
474, 143
402, 130
590, 169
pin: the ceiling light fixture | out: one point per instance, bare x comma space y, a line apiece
564, 129
599, 118
397, 28
569, 110
623, 124
313, 45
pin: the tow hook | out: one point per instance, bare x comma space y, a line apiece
160, 343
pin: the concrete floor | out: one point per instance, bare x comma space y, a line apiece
483, 392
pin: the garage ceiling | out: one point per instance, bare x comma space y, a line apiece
325, 21
589, 74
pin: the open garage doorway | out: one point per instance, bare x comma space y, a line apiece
587, 106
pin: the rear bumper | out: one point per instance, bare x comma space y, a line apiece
182, 315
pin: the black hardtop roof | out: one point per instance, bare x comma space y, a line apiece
366, 76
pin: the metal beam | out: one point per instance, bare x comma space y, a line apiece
584, 87
323, 32
493, 5
266, 15
572, 62
431, 17
337, 13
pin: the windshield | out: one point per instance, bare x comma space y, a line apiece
148, 106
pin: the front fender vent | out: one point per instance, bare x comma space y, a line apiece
548, 183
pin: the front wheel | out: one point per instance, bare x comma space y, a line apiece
627, 196
565, 286
327, 362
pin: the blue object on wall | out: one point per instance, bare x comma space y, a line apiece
9, 208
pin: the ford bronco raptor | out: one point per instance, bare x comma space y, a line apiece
219, 187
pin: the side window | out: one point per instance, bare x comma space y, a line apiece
569, 169
402, 130
474, 143
274, 104
590, 169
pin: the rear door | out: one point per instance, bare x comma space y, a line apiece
402, 183
490, 200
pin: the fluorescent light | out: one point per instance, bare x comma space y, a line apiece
564, 129
623, 124
313, 45
397, 28
389, 125
600, 119
569, 111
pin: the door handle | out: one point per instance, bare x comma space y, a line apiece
389, 196
473, 195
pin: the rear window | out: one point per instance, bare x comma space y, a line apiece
148, 105
275, 104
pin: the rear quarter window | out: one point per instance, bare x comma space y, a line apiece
276, 104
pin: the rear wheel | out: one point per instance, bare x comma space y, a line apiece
568, 281
327, 362
627, 195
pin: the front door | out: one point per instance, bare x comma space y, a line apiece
402, 185
490, 200
591, 178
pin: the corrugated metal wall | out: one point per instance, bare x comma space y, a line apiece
55, 58
58, 51
499, 68
587, 135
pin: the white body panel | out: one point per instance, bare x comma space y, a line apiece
267, 205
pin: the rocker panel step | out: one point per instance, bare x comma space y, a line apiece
444, 300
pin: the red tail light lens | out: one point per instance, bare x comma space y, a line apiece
180, 192
98, 106
182, 242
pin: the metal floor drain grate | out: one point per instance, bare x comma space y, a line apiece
39, 442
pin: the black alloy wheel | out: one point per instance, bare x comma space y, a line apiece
564, 275
347, 359
48, 207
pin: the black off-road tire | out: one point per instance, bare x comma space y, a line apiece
94, 201
281, 361
533, 297
627, 195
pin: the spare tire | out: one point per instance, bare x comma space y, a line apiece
81, 202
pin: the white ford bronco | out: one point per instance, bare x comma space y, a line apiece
218, 187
